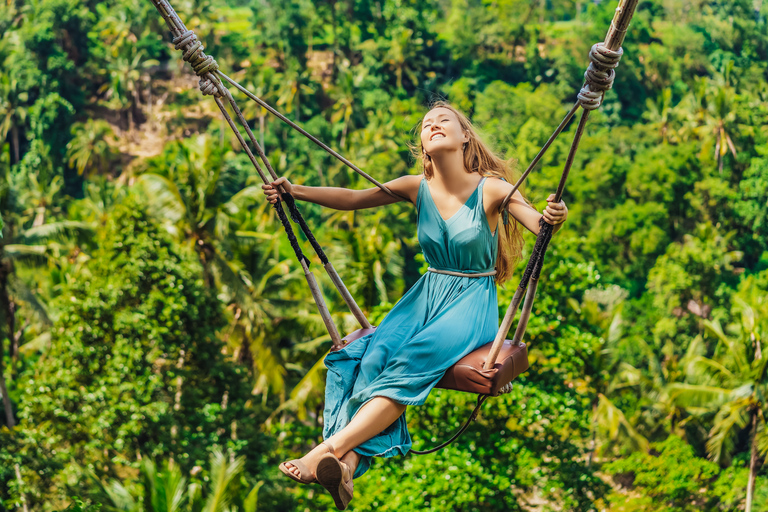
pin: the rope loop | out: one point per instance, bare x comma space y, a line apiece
599, 75
202, 64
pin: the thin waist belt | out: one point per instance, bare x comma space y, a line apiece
462, 274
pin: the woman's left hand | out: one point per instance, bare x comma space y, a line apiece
555, 213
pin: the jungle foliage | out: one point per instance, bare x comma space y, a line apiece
159, 349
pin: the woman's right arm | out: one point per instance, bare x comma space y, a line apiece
344, 198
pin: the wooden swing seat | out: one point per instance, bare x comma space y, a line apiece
468, 374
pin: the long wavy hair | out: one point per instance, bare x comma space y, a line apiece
479, 158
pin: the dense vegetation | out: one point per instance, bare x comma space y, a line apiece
158, 346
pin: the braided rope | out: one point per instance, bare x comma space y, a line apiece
599, 75
202, 64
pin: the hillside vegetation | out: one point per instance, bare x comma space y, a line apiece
159, 348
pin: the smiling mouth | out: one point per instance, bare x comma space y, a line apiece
435, 136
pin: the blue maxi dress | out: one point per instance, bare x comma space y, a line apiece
438, 321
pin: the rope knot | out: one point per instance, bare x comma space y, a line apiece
599, 75
202, 64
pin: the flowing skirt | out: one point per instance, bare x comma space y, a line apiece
438, 321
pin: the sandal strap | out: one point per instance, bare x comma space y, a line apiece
331, 450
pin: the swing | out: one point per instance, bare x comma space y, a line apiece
491, 369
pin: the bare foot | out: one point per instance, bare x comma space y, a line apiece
310, 460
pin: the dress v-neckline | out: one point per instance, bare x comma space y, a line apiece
460, 208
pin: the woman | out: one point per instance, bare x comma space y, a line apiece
441, 318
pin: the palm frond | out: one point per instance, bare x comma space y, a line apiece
27, 255
255, 234
761, 436
611, 419
122, 499
23, 293
310, 387
163, 197
268, 367
250, 503
697, 395
722, 373
56, 230
243, 199
223, 473
729, 420
735, 348
37, 344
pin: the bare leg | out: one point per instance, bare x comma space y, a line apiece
351, 459
376, 415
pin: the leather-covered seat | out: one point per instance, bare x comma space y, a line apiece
468, 373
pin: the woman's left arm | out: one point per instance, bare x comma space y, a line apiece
554, 213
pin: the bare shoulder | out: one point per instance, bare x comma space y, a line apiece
497, 189
407, 186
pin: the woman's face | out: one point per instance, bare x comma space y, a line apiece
441, 131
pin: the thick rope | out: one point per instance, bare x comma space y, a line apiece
311, 137
598, 78
599, 75
604, 58
204, 66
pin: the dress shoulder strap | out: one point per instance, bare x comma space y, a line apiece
420, 194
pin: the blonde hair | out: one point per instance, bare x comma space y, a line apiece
479, 158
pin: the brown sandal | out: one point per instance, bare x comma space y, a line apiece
330, 474
303, 469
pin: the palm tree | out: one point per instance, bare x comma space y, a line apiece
292, 85
344, 95
401, 52
13, 112
371, 252
166, 489
659, 113
711, 111
730, 387
189, 198
91, 149
123, 88
239, 252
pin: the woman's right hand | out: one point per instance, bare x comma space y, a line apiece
271, 191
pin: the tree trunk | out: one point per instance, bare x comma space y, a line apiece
261, 130
10, 311
335, 41
594, 434
9, 421
5, 304
21, 482
177, 398
15, 143
753, 463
